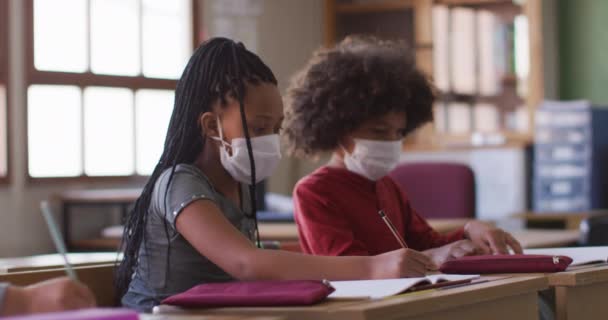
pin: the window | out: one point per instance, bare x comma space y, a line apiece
3, 90
101, 79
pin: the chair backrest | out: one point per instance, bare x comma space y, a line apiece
594, 231
438, 190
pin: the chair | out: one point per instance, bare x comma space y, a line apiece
594, 231
438, 190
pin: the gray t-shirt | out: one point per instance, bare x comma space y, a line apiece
170, 266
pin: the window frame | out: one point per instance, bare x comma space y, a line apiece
4, 74
87, 79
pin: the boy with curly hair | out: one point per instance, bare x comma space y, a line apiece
358, 101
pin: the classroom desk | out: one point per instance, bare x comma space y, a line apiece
289, 231
489, 300
581, 293
55, 260
122, 198
540, 238
473, 302
99, 278
570, 220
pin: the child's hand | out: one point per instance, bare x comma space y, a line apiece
401, 263
490, 239
452, 251
48, 296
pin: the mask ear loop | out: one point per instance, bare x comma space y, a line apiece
221, 137
346, 153
344, 150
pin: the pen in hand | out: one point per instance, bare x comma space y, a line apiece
391, 226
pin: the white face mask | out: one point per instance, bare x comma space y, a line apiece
373, 159
266, 155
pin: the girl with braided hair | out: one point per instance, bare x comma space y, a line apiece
195, 221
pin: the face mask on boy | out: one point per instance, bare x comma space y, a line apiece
266, 154
373, 159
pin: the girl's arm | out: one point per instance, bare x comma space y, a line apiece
212, 235
48, 296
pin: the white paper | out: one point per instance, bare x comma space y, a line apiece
377, 289
487, 118
519, 119
579, 255
459, 118
439, 117
441, 57
462, 46
489, 73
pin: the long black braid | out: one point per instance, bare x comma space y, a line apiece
219, 67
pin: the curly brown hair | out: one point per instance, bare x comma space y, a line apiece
342, 87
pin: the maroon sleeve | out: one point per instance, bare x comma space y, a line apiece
323, 229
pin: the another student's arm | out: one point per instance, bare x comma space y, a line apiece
491, 239
422, 236
487, 238
47, 296
322, 228
206, 229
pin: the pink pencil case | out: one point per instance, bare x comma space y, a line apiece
515, 263
252, 293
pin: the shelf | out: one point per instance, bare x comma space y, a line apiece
112, 196
509, 79
565, 220
474, 3
505, 9
451, 142
468, 98
377, 6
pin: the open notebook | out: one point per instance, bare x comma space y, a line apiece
378, 289
580, 255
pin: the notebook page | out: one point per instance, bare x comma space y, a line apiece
373, 289
451, 277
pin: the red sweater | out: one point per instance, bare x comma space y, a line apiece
337, 214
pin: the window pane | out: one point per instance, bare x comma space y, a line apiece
54, 131
108, 131
153, 111
3, 132
167, 29
115, 37
60, 35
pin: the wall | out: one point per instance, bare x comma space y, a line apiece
583, 43
550, 49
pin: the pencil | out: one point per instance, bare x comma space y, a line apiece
57, 238
390, 225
